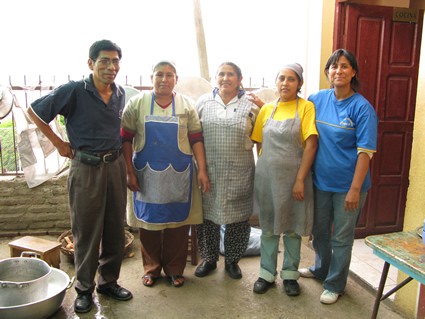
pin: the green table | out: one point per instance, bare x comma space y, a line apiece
403, 250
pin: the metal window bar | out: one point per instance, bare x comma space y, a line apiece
9, 155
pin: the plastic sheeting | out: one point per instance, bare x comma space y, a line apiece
193, 87
6, 100
40, 160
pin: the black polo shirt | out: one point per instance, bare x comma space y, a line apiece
91, 124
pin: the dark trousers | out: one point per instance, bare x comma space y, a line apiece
97, 198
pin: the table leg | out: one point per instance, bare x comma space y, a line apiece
400, 285
380, 290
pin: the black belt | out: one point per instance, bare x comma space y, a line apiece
96, 158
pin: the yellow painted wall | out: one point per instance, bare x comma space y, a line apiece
327, 40
415, 205
406, 298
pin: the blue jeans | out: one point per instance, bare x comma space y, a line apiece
291, 256
333, 237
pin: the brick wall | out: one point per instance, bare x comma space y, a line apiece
31, 211
39, 210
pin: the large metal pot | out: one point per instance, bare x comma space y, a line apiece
58, 282
21, 278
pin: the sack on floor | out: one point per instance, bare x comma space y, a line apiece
253, 248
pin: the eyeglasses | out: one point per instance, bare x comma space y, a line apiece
108, 62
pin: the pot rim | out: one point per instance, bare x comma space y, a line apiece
5, 283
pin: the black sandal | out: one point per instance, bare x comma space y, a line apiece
148, 280
176, 280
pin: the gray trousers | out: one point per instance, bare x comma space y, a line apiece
97, 198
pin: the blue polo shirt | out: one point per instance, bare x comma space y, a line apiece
91, 124
345, 128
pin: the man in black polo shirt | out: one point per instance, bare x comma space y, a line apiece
97, 183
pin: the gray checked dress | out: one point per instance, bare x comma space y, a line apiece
229, 157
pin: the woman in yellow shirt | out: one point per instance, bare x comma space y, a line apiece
286, 134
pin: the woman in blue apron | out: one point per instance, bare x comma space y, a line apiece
161, 133
287, 137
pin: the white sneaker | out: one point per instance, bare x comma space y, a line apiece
305, 273
328, 297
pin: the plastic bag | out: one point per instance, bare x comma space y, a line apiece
254, 243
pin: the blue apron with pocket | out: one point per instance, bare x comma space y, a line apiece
163, 171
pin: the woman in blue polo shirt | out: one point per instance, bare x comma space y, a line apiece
347, 125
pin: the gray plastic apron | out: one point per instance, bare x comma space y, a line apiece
275, 174
163, 171
230, 167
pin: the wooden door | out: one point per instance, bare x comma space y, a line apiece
388, 57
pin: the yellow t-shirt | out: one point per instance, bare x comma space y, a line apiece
286, 110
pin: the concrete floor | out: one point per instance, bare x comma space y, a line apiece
219, 296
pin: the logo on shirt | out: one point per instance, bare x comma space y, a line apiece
347, 122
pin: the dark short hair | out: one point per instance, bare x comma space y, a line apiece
355, 83
103, 45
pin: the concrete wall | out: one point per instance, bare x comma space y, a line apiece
29, 211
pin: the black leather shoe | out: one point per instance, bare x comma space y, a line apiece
117, 292
83, 303
233, 270
292, 288
261, 286
205, 268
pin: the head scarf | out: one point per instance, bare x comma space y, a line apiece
297, 68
